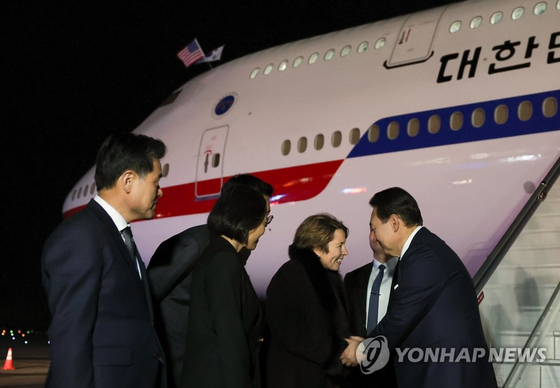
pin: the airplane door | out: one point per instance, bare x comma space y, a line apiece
209, 168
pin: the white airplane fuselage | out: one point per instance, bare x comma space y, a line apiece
494, 90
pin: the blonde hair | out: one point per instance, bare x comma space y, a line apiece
317, 231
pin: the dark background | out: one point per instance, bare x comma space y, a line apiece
75, 72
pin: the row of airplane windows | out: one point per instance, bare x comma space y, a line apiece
89, 190
434, 124
476, 22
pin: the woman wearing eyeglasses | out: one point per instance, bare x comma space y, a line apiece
225, 316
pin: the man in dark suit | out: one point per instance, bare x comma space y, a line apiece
102, 332
359, 285
433, 307
169, 274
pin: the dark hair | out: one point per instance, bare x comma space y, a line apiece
250, 181
126, 151
317, 231
239, 210
397, 201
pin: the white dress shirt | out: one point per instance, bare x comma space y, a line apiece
385, 289
409, 240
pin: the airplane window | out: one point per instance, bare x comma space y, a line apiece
313, 58
336, 139
283, 65
558, 5
525, 111
92, 190
456, 121
86, 190
478, 118
476, 22
302, 144
501, 114
354, 136
413, 127
268, 69
165, 170
345, 50
550, 107
434, 124
455, 26
540, 8
298, 61
364, 45
215, 160
79, 192
393, 130
319, 142
73, 195
517, 13
373, 133
286, 146
380, 43
496, 18
329, 54
255, 72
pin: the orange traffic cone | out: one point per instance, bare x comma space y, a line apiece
8, 365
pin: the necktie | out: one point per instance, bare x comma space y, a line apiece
129, 242
374, 300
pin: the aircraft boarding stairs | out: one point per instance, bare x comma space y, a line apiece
520, 283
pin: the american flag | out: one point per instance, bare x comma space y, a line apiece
191, 54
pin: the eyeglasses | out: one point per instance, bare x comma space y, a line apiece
269, 219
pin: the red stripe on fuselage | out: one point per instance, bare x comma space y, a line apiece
290, 184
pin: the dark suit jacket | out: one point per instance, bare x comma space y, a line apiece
355, 284
224, 322
170, 276
102, 332
435, 306
307, 325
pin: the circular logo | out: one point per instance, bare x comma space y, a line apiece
224, 105
373, 354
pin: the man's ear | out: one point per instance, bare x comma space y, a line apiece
395, 222
126, 180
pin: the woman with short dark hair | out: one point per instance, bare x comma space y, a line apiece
224, 321
306, 309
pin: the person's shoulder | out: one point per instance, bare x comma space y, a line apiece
359, 270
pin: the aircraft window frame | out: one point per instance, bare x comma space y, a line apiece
393, 130
283, 65
79, 191
286, 147
216, 160
478, 117
302, 144
540, 8
456, 121
501, 114
364, 46
92, 189
517, 13
413, 127
298, 61
346, 50
525, 111
354, 136
380, 43
313, 58
73, 195
319, 142
558, 5
268, 69
165, 170
336, 139
255, 72
434, 124
496, 17
455, 26
373, 133
550, 107
476, 22
86, 189
329, 55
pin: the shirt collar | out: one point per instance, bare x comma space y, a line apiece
118, 220
409, 240
389, 264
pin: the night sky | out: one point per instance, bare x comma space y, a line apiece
73, 73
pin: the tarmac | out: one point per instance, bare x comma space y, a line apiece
27, 374
30, 359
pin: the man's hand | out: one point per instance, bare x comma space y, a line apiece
348, 356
